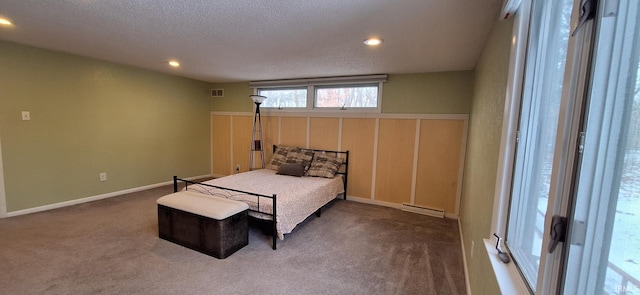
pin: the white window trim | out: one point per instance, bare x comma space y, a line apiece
311, 85
577, 55
287, 109
333, 109
569, 126
508, 276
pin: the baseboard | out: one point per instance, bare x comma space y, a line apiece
423, 210
94, 198
374, 202
391, 205
464, 260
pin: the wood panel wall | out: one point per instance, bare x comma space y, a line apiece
358, 137
220, 145
394, 159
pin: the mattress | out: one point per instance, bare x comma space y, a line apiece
296, 197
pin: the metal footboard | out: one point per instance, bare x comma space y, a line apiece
237, 195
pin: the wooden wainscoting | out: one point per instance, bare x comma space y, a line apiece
439, 168
359, 137
221, 144
394, 158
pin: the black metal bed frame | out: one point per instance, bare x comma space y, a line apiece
231, 192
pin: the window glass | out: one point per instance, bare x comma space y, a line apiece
604, 250
361, 96
284, 97
542, 93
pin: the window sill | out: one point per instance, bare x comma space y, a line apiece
323, 111
507, 275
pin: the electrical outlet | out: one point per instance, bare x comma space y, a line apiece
472, 246
103, 176
26, 116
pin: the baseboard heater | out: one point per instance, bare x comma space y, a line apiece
423, 210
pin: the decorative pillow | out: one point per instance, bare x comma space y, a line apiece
324, 166
301, 156
280, 156
291, 169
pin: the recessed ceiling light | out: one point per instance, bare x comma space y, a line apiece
174, 63
373, 41
5, 22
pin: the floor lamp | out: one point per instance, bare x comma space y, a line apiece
256, 135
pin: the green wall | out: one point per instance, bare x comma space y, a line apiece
90, 116
236, 98
430, 93
483, 148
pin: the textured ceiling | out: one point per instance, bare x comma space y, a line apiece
244, 40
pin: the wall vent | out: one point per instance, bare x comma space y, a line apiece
217, 92
423, 210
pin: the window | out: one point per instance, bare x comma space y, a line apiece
356, 93
539, 111
361, 96
577, 153
284, 97
603, 256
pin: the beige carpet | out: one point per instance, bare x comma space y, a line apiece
111, 247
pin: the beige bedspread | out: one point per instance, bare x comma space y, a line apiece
297, 197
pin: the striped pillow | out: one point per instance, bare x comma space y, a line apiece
324, 166
300, 156
280, 156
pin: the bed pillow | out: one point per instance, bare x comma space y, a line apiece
279, 157
291, 169
324, 166
301, 156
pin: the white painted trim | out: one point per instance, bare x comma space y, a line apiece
3, 197
423, 210
232, 169
464, 260
94, 198
338, 114
308, 131
211, 142
380, 91
507, 275
374, 167
334, 114
340, 134
414, 173
510, 118
279, 131
374, 202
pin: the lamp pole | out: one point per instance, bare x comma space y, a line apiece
256, 135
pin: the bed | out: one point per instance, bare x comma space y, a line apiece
280, 190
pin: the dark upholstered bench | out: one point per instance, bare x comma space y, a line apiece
212, 225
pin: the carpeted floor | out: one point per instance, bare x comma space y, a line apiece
111, 247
